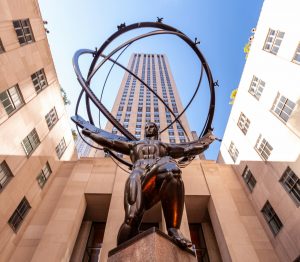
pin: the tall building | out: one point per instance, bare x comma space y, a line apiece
135, 105
262, 137
34, 131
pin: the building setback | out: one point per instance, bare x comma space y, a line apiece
262, 137
34, 131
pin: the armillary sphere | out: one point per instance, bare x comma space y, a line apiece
99, 59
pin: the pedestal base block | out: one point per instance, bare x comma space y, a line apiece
151, 246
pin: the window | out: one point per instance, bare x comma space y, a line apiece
128, 108
172, 140
120, 108
19, 214
51, 118
5, 175
243, 123
182, 140
273, 41
256, 87
23, 31
31, 142
249, 178
11, 99
44, 175
233, 152
263, 148
291, 182
2, 50
283, 107
60, 148
140, 109
296, 58
39, 80
271, 218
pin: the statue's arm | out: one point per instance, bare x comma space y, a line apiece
115, 145
191, 148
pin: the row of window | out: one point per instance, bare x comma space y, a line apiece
262, 147
282, 106
21, 211
24, 33
6, 175
290, 182
273, 42
12, 98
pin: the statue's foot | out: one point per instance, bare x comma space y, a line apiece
126, 232
178, 237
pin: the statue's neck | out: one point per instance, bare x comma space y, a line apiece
150, 138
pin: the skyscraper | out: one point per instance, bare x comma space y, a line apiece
262, 136
135, 105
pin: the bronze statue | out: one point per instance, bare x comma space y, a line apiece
155, 176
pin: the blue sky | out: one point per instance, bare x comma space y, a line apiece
223, 27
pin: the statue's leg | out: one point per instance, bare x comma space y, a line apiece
172, 199
133, 205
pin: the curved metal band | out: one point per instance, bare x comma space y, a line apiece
84, 86
165, 29
210, 115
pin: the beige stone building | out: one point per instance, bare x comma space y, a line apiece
71, 210
34, 131
262, 136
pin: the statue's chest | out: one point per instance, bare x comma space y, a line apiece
148, 150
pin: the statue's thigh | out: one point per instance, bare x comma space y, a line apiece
154, 179
150, 189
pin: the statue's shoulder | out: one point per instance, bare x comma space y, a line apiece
139, 142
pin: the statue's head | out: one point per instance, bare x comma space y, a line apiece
151, 130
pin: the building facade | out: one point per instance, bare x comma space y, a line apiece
34, 131
262, 137
135, 105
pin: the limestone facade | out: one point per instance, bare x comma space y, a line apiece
92, 190
34, 131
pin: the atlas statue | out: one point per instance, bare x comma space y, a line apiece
155, 177
155, 166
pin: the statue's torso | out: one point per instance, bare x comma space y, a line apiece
147, 152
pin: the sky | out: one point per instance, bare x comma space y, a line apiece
222, 27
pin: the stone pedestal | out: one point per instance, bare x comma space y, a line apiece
151, 246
